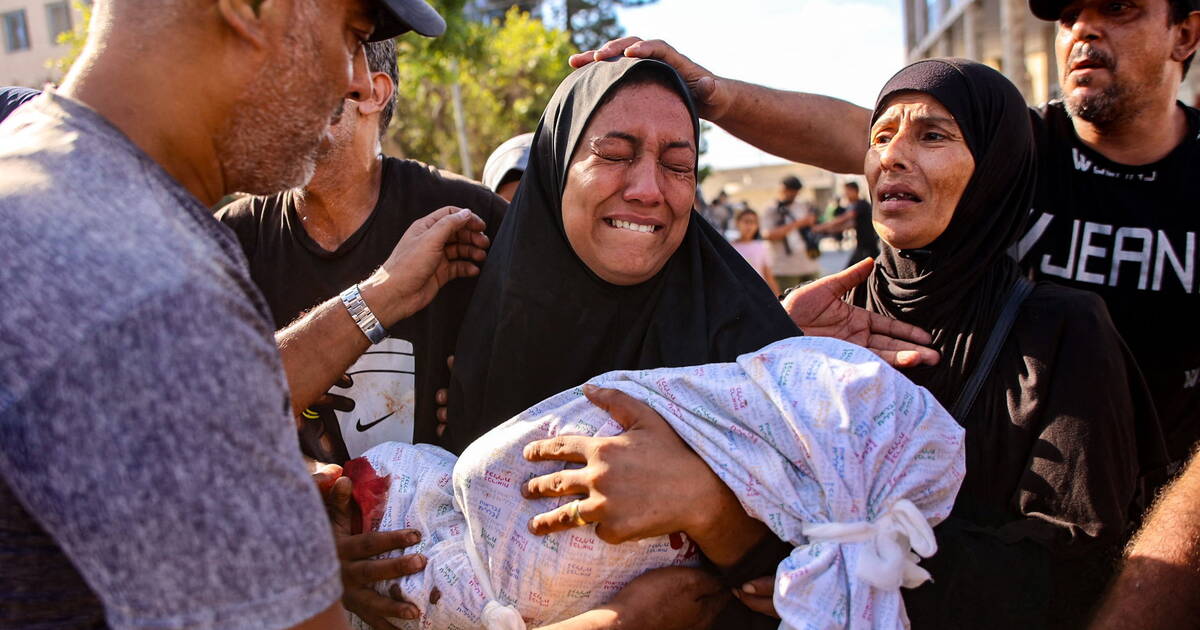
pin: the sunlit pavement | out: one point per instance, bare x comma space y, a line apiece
833, 261
833, 258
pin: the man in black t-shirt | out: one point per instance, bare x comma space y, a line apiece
305, 246
1115, 210
1119, 160
858, 216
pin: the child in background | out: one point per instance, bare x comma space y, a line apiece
752, 247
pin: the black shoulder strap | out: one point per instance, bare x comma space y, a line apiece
1016, 295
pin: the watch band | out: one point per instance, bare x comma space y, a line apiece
366, 320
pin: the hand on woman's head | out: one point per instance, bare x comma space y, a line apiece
631, 183
917, 166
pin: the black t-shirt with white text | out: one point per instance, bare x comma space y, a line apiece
1129, 234
394, 382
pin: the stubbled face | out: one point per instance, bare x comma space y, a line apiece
630, 185
339, 136
1114, 56
277, 129
747, 225
917, 166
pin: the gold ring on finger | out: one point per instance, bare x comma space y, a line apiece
576, 517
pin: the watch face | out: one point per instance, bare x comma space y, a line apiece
383, 395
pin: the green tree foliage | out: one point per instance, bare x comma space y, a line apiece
506, 70
74, 39
593, 22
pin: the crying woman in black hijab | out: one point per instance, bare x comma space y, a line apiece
1059, 426
601, 265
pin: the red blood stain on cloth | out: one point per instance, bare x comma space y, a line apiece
678, 539
369, 492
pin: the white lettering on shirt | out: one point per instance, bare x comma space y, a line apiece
1031, 237
1066, 270
1087, 250
1139, 256
1083, 163
1151, 250
1165, 250
1190, 378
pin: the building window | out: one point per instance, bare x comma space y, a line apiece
16, 31
58, 17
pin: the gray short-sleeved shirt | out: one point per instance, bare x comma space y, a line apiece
149, 470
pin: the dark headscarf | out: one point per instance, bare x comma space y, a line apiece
540, 321
955, 286
1062, 425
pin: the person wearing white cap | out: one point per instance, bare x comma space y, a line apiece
504, 167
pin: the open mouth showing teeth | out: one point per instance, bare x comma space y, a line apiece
636, 227
899, 196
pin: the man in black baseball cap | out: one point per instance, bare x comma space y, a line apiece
1051, 9
397, 17
1115, 209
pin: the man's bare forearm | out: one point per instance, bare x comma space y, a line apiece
838, 224
318, 348
807, 128
1159, 583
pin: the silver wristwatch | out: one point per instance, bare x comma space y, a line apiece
366, 320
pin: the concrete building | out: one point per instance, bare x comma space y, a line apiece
1000, 33
29, 31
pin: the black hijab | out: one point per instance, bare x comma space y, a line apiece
956, 286
1062, 424
541, 321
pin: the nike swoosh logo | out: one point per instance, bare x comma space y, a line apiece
363, 427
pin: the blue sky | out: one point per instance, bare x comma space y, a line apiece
844, 48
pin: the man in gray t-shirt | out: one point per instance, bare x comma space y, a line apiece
149, 471
145, 430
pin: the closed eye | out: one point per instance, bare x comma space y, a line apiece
612, 157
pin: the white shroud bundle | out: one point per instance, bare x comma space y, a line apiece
835, 451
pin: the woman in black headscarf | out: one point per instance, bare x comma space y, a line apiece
1060, 427
600, 265
545, 318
